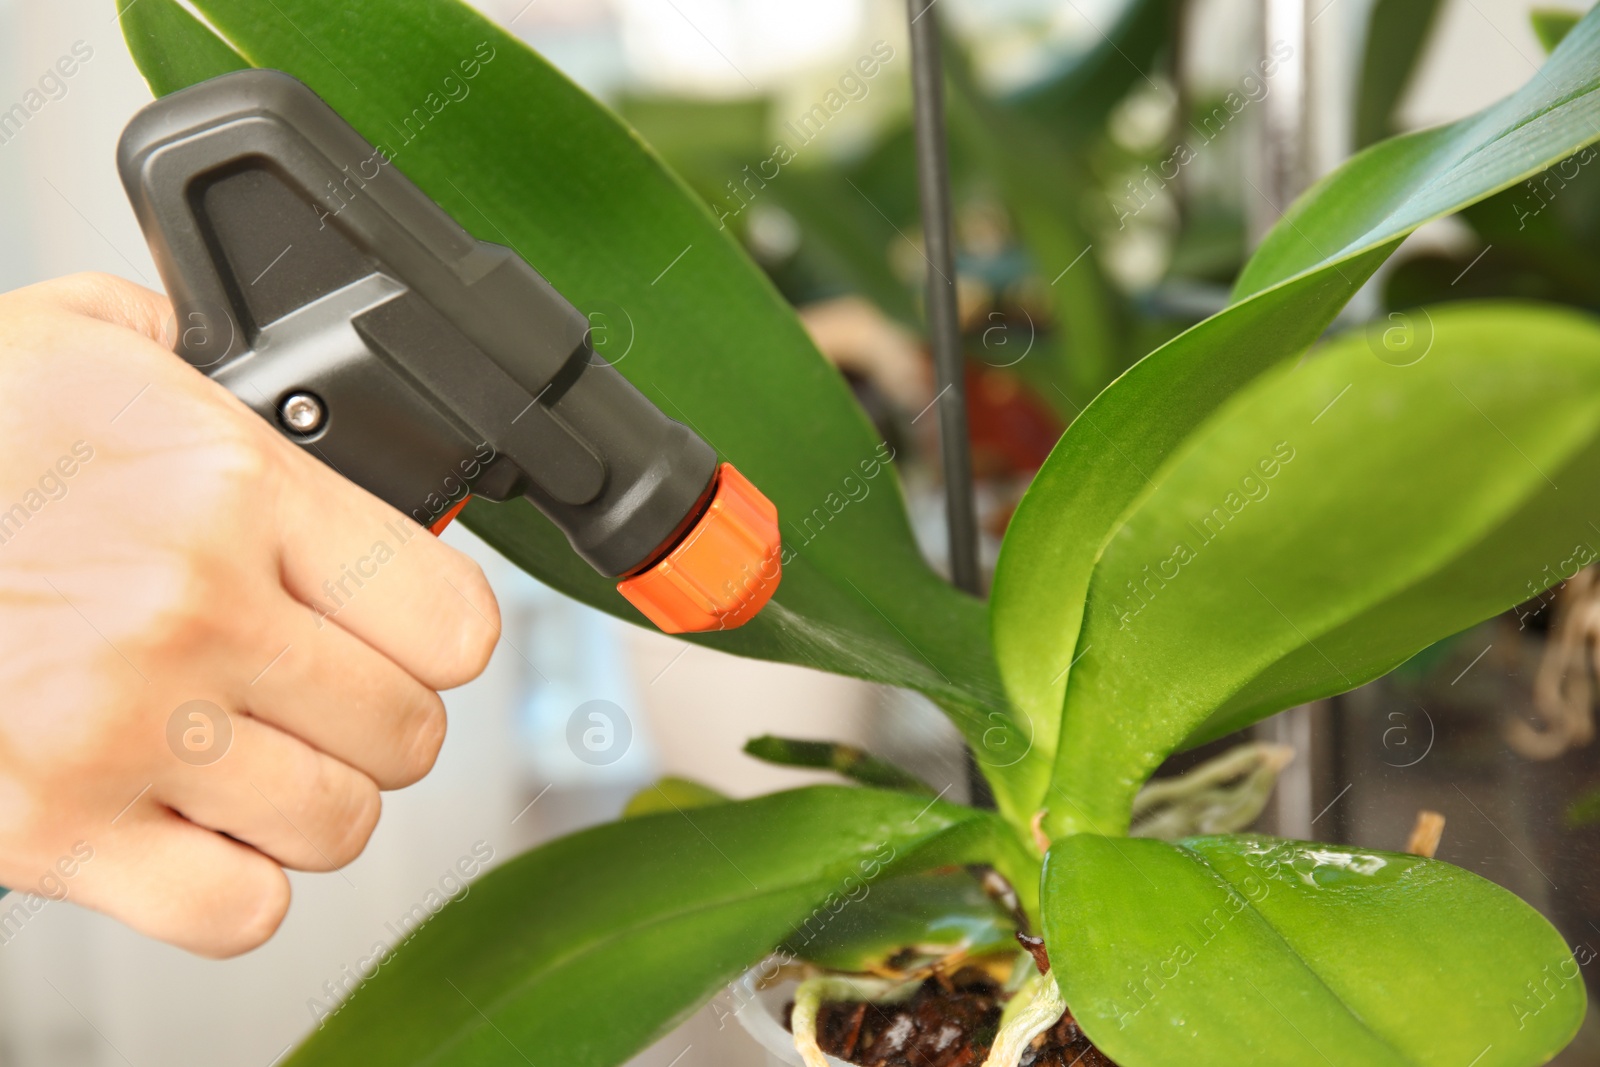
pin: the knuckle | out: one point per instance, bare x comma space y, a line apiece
367, 807
478, 630
260, 902
183, 589
238, 456
353, 816
178, 608
426, 738
320, 817
222, 452
178, 625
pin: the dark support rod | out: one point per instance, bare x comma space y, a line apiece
944, 326
944, 329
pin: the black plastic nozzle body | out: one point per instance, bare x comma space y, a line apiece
333, 297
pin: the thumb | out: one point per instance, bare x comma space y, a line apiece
112, 299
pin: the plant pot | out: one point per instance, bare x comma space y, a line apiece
760, 1011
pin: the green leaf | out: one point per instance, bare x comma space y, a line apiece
1545, 234
1328, 523
1551, 25
847, 760
1221, 951
1388, 190
672, 794
1305, 272
930, 914
152, 26
1397, 30
523, 157
582, 952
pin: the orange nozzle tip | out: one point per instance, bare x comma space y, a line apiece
437, 526
724, 570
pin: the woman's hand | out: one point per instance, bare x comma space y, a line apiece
216, 650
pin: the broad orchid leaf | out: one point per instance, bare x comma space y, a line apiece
1219, 951
931, 915
1437, 493
1325, 248
151, 35
585, 950
672, 794
523, 157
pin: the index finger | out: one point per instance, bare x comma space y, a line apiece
363, 565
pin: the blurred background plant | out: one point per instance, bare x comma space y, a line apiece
1114, 163
1077, 249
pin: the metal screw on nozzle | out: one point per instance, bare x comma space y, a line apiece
302, 413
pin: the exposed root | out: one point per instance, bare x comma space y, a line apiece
1221, 796
1563, 690
809, 995
1036, 1008
1426, 834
